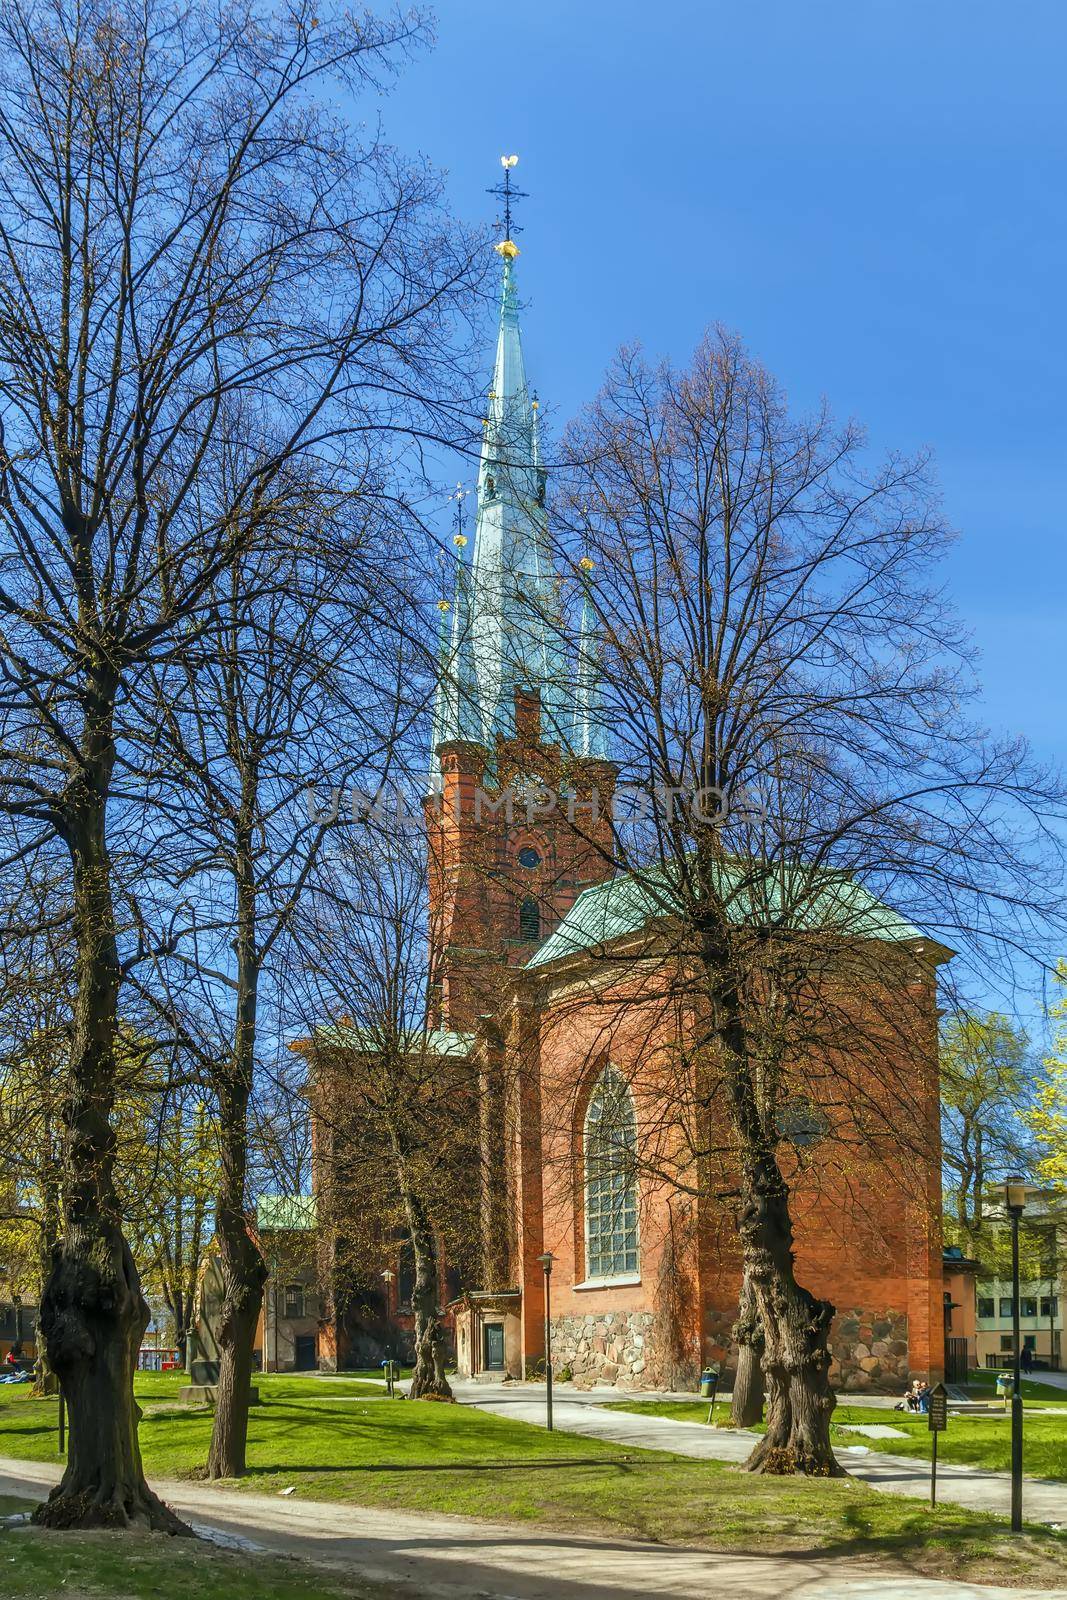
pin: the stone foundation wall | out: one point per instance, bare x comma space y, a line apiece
869, 1352
620, 1347
606, 1347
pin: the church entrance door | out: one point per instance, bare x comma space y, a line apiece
494, 1347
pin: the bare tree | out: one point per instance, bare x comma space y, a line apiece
181, 225
280, 689
395, 1103
779, 666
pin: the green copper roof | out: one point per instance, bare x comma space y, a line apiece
286, 1213
438, 1042
831, 902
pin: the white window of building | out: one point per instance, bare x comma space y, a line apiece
610, 1180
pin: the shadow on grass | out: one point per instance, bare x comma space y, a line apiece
370, 1467
911, 1545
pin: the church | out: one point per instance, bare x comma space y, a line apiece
536, 942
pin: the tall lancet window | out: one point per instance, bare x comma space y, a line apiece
529, 919
610, 1180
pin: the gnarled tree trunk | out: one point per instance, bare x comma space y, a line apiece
93, 1313
747, 1407
796, 1325
428, 1377
796, 1330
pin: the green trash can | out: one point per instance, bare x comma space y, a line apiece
709, 1379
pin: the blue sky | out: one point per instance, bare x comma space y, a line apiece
872, 193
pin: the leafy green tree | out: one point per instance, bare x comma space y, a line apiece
1047, 1117
987, 1089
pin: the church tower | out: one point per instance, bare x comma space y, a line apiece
521, 780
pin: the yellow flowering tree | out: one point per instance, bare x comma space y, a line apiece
1048, 1117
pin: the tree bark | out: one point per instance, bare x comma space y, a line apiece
796, 1329
796, 1325
244, 1271
428, 1378
747, 1407
93, 1313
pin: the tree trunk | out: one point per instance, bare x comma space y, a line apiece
428, 1378
796, 1330
244, 1271
796, 1325
747, 1407
93, 1313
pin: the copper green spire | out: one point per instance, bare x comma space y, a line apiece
514, 603
506, 622
456, 713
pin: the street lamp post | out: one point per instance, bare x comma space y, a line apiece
1015, 1204
546, 1261
387, 1278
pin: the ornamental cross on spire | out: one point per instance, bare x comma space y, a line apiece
504, 191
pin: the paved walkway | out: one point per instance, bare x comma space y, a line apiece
1044, 1499
455, 1558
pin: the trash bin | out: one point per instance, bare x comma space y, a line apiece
709, 1378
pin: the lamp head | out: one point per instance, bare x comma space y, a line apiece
1015, 1194
546, 1261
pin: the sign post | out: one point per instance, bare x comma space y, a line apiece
937, 1421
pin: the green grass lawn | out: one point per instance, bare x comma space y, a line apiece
47, 1566
345, 1447
976, 1441
981, 1385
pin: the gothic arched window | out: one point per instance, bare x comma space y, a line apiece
610, 1179
529, 919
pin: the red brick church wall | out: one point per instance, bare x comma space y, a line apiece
867, 1220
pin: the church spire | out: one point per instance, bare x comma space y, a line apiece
506, 622
456, 714
514, 604
589, 735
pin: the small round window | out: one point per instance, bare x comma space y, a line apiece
529, 858
801, 1122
